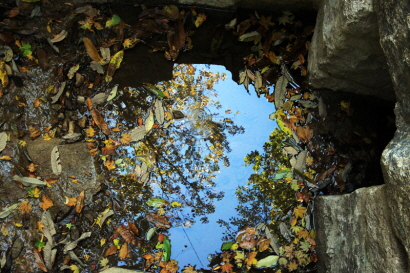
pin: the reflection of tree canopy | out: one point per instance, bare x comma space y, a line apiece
264, 199
183, 159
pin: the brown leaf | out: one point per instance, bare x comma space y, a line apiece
34, 133
39, 260
158, 220
129, 232
25, 207
80, 202
99, 120
123, 252
32, 167
13, 12
125, 138
89, 103
176, 39
263, 245
110, 251
36, 103
47, 202
304, 133
91, 50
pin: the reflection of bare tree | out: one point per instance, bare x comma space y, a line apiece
184, 157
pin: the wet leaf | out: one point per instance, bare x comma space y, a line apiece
48, 229
113, 93
55, 161
114, 64
80, 202
103, 216
96, 66
258, 80
110, 251
157, 202
158, 220
307, 103
290, 150
39, 260
91, 50
34, 192
6, 212
55, 98
3, 75
61, 36
159, 111
149, 122
99, 120
25, 207
301, 161
5, 157
299, 211
249, 37
74, 268
46, 202
73, 244
114, 20
151, 233
129, 232
200, 19
104, 262
89, 132
123, 252
29, 181
125, 138
304, 133
267, 261
167, 249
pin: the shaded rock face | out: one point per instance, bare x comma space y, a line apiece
355, 233
345, 53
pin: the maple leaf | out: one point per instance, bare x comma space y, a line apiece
72, 201
303, 234
292, 266
250, 259
34, 192
304, 245
299, 211
226, 267
239, 258
89, 132
149, 260
25, 206
125, 138
266, 22
296, 229
288, 251
109, 164
47, 202
32, 167
104, 262
189, 269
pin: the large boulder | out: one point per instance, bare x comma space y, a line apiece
345, 53
355, 233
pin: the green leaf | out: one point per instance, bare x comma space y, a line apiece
268, 261
114, 20
40, 244
167, 248
283, 174
304, 246
227, 245
26, 48
157, 202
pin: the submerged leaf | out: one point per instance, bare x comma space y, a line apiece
114, 64
99, 120
91, 50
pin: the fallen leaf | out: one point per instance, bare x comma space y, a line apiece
25, 207
71, 201
250, 259
91, 50
34, 133
99, 120
89, 132
114, 64
304, 133
47, 202
5, 158
160, 221
292, 266
129, 232
34, 192
80, 202
110, 164
125, 138
200, 19
61, 36
299, 211
123, 252
55, 161
104, 262
110, 251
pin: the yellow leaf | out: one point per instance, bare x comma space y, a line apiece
250, 259
89, 132
102, 242
86, 257
18, 224
4, 230
25, 207
22, 143
3, 75
75, 268
292, 266
47, 137
200, 19
160, 211
72, 201
114, 64
176, 204
299, 211
32, 167
5, 157
109, 164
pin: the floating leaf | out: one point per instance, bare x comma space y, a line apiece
280, 91
158, 220
157, 202
29, 181
301, 161
149, 122
167, 248
114, 64
129, 232
267, 261
91, 49
249, 37
55, 161
61, 36
159, 111
111, 250
151, 233
99, 120
138, 133
55, 98
123, 252
113, 93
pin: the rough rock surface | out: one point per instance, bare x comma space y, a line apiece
345, 53
75, 161
355, 233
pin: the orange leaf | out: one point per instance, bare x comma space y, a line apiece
47, 202
80, 202
51, 180
299, 212
89, 103
25, 207
39, 260
5, 157
32, 167
123, 252
226, 267
99, 120
110, 251
72, 201
109, 164
304, 133
93, 151
125, 138
36, 103
140, 121
91, 50
250, 259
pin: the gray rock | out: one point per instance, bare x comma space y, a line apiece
75, 161
355, 233
345, 53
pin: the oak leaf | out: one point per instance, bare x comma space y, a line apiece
46, 202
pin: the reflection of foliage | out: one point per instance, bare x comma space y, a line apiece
183, 160
265, 199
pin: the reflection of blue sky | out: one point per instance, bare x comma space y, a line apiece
254, 116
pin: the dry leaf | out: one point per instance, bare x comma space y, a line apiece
91, 50
123, 252
25, 207
110, 251
109, 164
72, 201
32, 167
47, 202
99, 120
125, 138
5, 157
158, 220
304, 133
89, 104
80, 202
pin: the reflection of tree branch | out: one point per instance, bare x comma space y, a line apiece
173, 167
